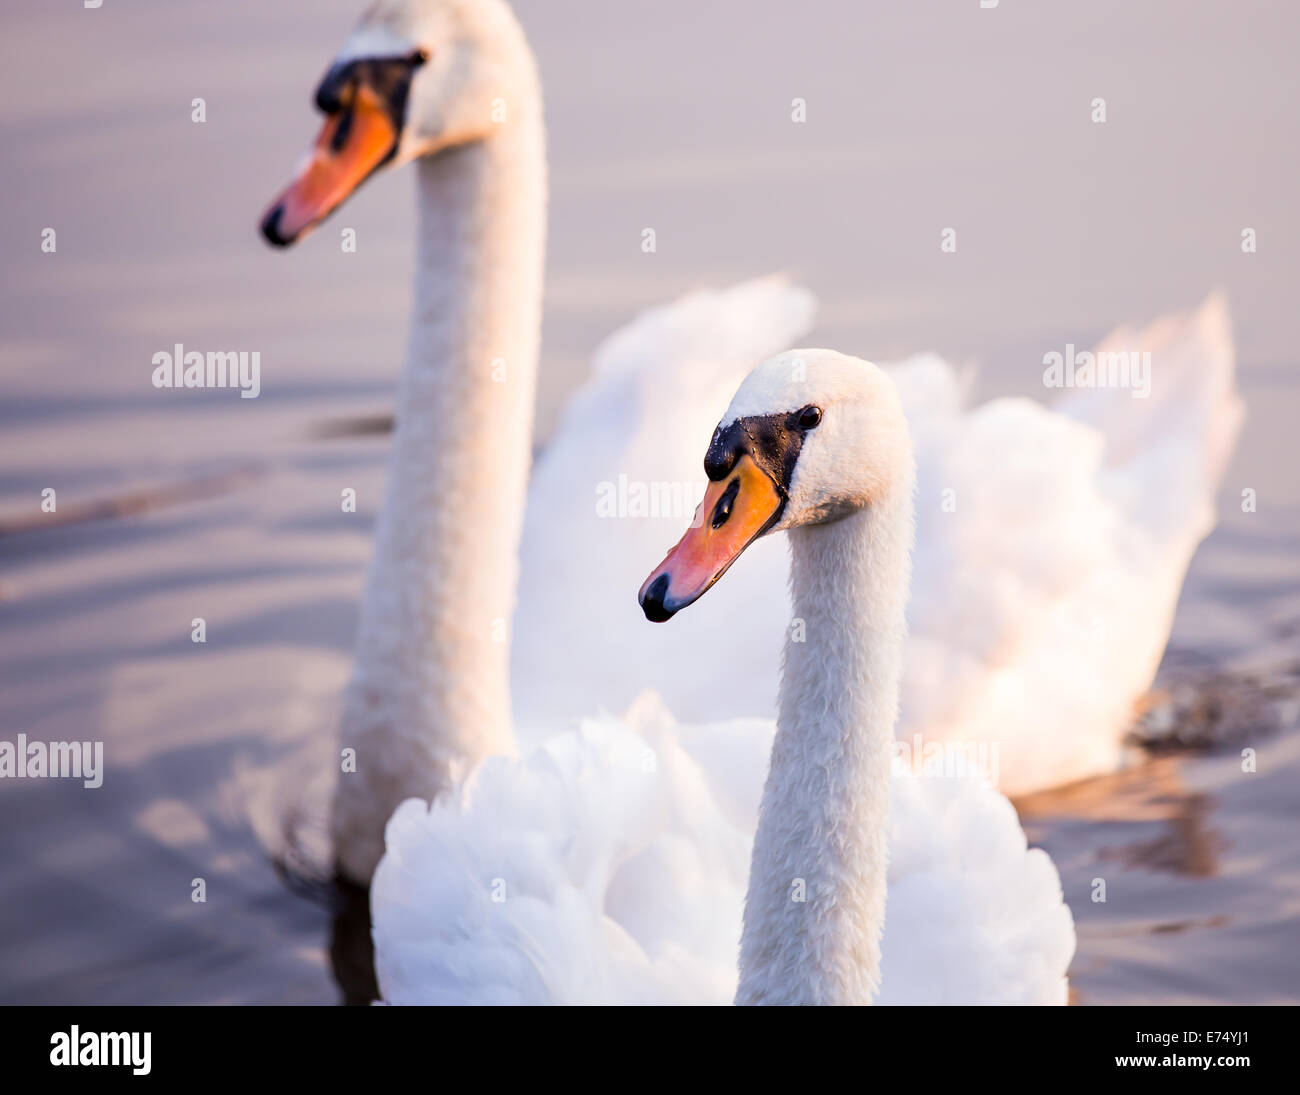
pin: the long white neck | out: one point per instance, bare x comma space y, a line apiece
429, 693
815, 908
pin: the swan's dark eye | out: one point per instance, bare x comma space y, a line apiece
722, 511
809, 417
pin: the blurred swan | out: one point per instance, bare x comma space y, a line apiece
1052, 544
608, 867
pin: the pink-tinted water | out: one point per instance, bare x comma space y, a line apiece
667, 114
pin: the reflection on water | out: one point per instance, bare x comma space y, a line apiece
1150, 791
130, 502
300, 863
1187, 846
352, 952
1191, 847
1207, 708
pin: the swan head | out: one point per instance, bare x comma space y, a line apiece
414, 78
811, 437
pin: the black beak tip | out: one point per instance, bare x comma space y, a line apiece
652, 604
271, 228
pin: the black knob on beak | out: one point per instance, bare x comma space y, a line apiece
652, 604
271, 228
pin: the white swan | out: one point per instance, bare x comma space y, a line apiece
608, 868
1051, 543
1061, 520
426, 80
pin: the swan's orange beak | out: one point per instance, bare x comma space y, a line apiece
356, 139
736, 511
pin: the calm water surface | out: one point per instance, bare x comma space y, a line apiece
181, 505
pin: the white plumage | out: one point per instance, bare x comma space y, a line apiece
1042, 598
619, 861
610, 865
1041, 603
1039, 612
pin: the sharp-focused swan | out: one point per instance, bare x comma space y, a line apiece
1051, 545
608, 867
